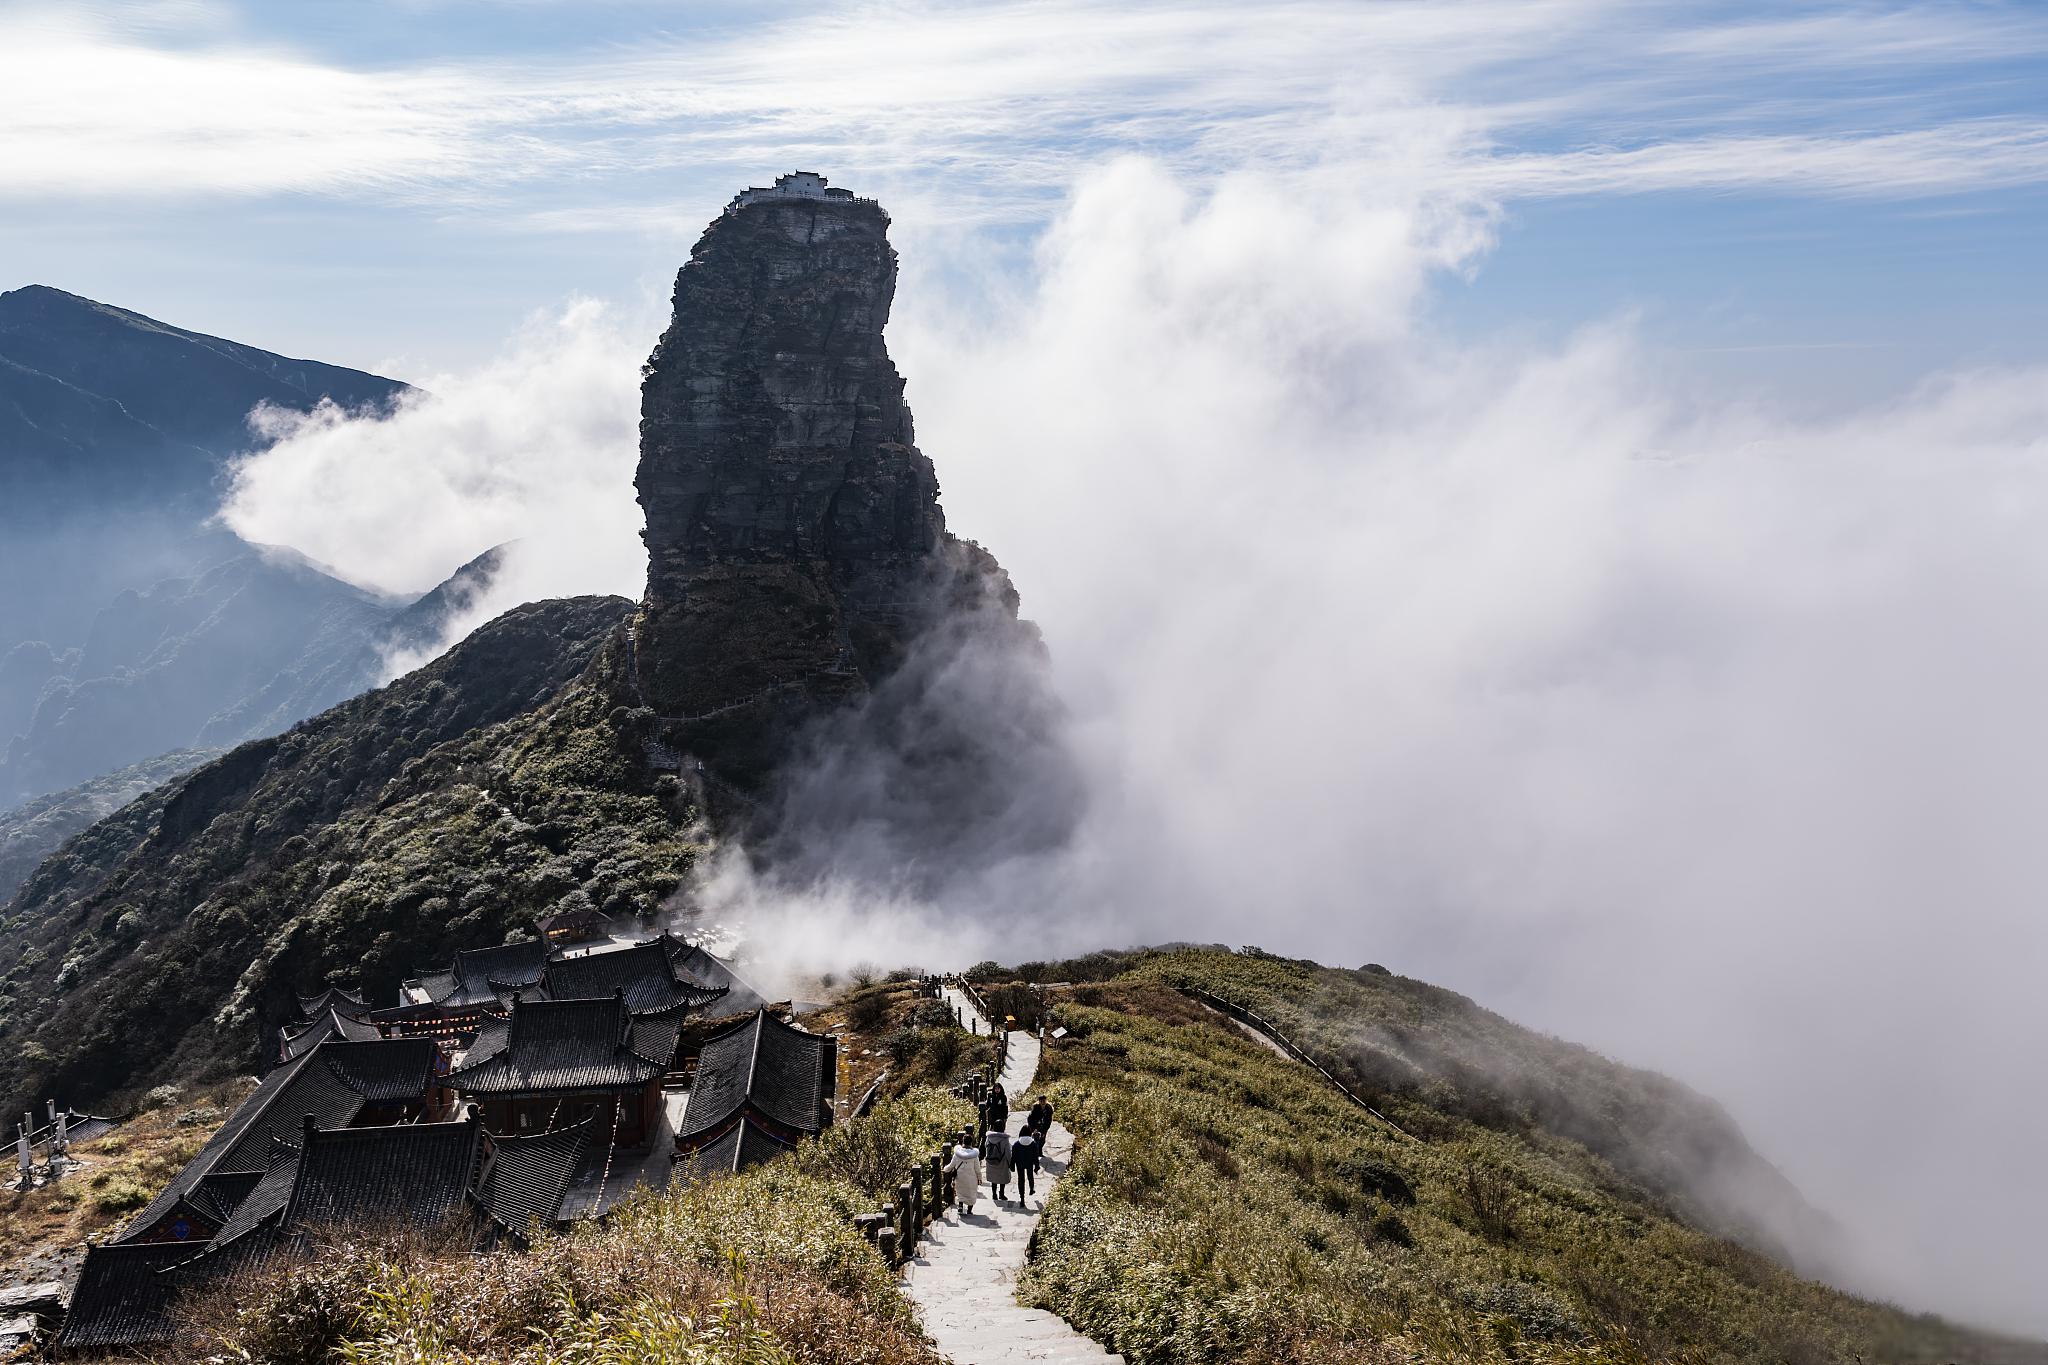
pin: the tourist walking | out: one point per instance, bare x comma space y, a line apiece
964, 1165
1041, 1115
995, 1161
998, 1109
1024, 1150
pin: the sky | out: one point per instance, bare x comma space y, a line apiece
398, 185
1542, 495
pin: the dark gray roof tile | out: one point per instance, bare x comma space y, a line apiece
761, 1063
121, 1301
557, 1045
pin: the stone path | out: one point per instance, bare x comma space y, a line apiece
964, 1278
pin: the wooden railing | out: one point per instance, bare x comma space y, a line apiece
920, 1199
1245, 1015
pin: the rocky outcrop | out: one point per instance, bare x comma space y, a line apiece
795, 542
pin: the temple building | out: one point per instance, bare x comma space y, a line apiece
341, 1084
551, 1063
417, 1174
386, 1086
758, 1087
478, 975
645, 972
569, 1049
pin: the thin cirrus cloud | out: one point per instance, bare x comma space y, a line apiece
1581, 97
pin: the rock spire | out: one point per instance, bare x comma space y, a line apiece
795, 541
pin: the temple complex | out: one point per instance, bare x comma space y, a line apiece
525, 1084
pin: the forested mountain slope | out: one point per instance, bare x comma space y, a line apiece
32, 832
438, 812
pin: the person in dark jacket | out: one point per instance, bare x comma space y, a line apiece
1024, 1150
998, 1109
1041, 1115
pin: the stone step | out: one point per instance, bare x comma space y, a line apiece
965, 1276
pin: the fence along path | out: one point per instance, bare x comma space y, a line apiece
964, 1276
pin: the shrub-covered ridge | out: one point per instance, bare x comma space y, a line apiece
1228, 1204
447, 810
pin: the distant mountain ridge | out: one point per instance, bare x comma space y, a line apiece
116, 433
133, 626
34, 831
82, 381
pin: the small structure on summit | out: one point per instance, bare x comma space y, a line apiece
795, 185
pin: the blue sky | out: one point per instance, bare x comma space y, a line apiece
1823, 197
1544, 494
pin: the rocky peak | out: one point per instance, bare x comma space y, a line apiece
794, 536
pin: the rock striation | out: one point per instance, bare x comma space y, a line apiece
795, 542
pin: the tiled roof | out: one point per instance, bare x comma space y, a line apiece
334, 997
644, 972
744, 1143
333, 1083
694, 964
468, 981
266, 1200
419, 1172
527, 1176
331, 1022
761, 1063
220, 1194
416, 1171
385, 1070
655, 1035
121, 1301
559, 1045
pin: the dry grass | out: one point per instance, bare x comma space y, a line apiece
122, 1172
760, 1268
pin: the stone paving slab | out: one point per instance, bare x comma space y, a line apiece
964, 1278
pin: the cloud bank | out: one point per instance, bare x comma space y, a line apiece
535, 449
1700, 733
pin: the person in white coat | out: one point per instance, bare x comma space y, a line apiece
964, 1165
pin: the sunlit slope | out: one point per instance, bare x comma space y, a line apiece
1528, 1200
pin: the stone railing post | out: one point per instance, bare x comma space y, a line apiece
885, 1241
939, 1183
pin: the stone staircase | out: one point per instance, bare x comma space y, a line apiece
964, 1277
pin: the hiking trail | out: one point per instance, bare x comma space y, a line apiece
964, 1277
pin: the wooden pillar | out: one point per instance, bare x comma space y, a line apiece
940, 1185
885, 1240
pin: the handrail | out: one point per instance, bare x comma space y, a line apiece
1244, 1014
894, 1231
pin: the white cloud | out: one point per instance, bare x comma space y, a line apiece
1697, 733
1687, 730
990, 109
538, 447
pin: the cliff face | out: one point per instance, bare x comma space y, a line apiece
795, 541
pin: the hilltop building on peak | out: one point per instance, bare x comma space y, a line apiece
795, 185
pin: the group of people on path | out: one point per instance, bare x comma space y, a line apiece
1000, 1156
